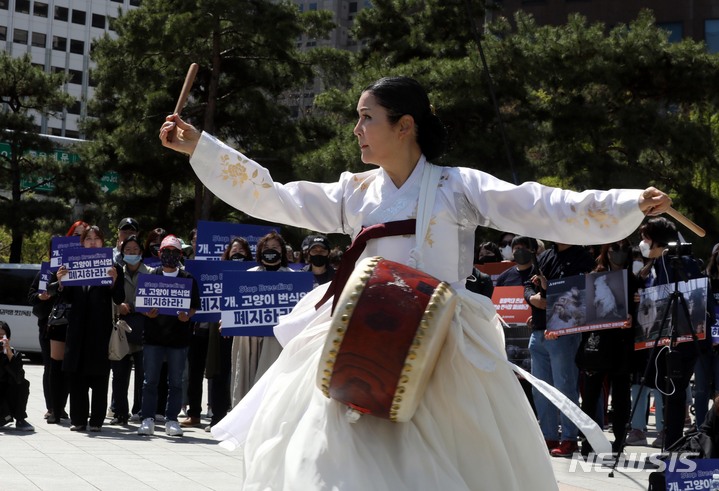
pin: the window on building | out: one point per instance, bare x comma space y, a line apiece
40, 9
675, 30
72, 134
117, 1
59, 43
77, 47
135, 3
19, 36
79, 17
55, 131
61, 13
22, 6
353, 8
75, 76
4, 4
39, 39
313, 6
711, 35
3, 33
98, 21
111, 23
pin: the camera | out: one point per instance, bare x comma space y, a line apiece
679, 249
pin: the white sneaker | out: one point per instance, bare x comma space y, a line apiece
159, 418
172, 428
208, 428
135, 418
147, 427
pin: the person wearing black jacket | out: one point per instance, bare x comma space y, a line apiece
14, 387
553, 359
90, 324
167, 337
42, 303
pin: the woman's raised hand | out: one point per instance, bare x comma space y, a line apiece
178, 135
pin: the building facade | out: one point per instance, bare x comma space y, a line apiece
58, 35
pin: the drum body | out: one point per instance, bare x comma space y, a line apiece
386, 334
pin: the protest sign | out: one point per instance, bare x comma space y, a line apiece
510, 304
44, 277
213, 237
58, 244
210, 277
87, 266
653, 303
685, 474
169, 295
253, 301
589, 302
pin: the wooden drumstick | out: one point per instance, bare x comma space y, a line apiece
686, 222
184, 94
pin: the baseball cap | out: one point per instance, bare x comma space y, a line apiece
129, 223
171, 241
317, 240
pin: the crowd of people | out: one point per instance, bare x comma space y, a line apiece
170, 355
601, 370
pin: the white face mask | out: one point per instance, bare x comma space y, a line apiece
645, 247
507, 254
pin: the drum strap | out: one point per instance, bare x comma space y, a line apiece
352, 254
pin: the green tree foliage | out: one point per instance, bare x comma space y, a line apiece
248, 60
584, 106
27, 161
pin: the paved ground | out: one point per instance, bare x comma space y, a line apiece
54, 458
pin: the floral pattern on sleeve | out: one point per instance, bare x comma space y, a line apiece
237, 173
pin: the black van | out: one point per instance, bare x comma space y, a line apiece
15, 281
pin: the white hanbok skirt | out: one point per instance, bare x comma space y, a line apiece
473, 430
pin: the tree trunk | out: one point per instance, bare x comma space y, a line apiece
209, 123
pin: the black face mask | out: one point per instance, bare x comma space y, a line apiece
319, 260
271, 256
238, 257
522, 256
618, 257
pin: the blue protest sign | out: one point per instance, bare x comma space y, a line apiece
87, 266
210, 276
253, 301
169, 295
44, 277
213, 237
681, 477
152, 262
715, 326
58, 244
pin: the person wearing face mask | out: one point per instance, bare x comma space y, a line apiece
253, 355
609, 354
127, 227
318, 255
505, 245
238, 250
131, 253
523, 254
657, 233
167, 338
89, 327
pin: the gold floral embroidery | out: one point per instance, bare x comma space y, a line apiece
597, 214
428, 238
237, 173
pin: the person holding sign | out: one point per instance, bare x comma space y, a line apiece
166, 338
253, 355
473, 428
88, 334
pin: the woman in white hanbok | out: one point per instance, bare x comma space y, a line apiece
473, 429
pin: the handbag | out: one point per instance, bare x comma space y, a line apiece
119, 348
58, 314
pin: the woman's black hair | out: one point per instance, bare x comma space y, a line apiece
404, 95
132, 238
660, 230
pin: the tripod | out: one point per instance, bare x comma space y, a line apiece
668, 329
